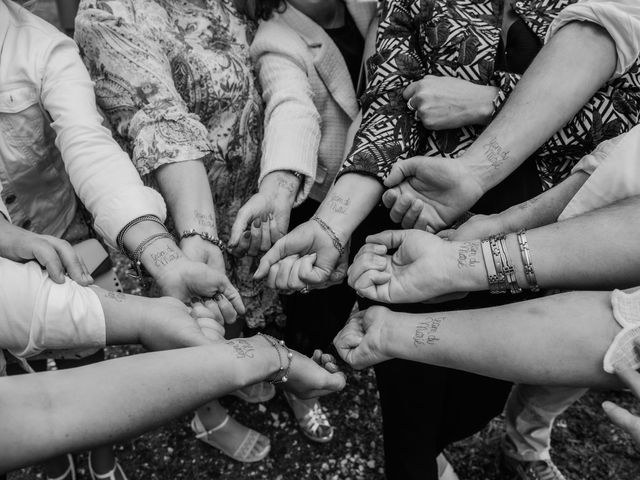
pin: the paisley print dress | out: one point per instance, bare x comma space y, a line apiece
175, 82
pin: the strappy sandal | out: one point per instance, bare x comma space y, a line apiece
110, 475
71, 469
243, 452
314, 423
256, 393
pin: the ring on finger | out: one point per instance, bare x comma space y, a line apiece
409, 106
304, 290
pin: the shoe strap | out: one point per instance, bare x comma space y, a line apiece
203, 432
70, 470
110, 475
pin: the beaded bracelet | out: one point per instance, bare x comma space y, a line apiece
205, 236
132, 223
526, 261
282, 370
334, 237
137, 253
507, 267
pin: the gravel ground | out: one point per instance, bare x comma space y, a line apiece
586, 445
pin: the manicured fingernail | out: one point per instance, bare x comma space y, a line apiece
380, 249
256, 223
247, 234
607, 406
265, 217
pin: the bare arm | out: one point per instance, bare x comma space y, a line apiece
566, 73
556, 340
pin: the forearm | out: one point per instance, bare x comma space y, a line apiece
596, 250
566, 73
556, 340
120, 398
349, 201
185, 188
545, 208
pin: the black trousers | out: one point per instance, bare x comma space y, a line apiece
425, 408
314, 319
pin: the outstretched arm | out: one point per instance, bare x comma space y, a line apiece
594, 250
556, 340
101, 403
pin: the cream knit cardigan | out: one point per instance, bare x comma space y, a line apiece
309, 97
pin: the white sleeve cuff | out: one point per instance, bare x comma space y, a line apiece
620, 18
39, 314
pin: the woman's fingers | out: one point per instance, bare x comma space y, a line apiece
366, 262
256, 237
229, 313
210, 328
366, 284
374, 248
211, 305
243, 244
47, 256
71, 261
400, 207
293, 281
411, 216
265, 244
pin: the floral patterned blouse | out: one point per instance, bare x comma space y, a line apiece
175, 81
460, 38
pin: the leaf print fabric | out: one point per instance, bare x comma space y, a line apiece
460, 38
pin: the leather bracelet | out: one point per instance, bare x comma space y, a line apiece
495, 282
508, 268
137, 253
497, 261
334, 237
205, 236
282, 371
526, 261
132, 223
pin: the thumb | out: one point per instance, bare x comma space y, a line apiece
388, 238
402, 169
212, 282
291, 244
244, 218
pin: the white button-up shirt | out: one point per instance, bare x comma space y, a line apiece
46, 96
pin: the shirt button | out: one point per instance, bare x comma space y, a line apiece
26, 224
10, 199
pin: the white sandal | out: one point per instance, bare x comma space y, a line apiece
243, 452
110, 475
70, 470
256, 393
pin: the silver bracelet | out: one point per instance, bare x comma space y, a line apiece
508, 268
526, 261
496, 282
334, 237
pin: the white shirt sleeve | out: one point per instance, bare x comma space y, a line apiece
101, 173
620, 18
37, 314
614, 169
